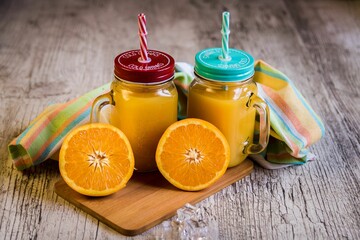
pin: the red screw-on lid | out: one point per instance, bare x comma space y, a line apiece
129, 67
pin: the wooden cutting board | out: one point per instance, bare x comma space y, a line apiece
147, 200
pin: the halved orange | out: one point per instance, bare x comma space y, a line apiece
192, 154
96, 159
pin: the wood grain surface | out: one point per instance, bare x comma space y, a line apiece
53, 51
147, 200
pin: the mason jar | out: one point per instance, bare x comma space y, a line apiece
144, 100
224, 94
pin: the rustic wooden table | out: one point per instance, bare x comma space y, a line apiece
52, 51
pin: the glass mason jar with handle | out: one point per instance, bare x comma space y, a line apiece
144, 100
224, 93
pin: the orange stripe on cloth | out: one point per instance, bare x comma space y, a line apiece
288, 112
61, 129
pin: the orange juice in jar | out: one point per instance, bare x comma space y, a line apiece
224, 94
144, 100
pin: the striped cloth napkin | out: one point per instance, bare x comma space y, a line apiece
294, 124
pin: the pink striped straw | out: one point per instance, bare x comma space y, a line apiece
142, 36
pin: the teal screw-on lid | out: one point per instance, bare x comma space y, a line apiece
210, 65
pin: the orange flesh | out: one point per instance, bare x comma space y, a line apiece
208, 162
96, 159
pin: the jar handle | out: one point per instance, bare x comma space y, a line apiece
264, 128
100, 102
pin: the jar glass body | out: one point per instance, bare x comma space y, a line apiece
143, 112
226, 105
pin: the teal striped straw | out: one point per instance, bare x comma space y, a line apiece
225, 31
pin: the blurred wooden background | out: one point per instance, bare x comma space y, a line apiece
53, 51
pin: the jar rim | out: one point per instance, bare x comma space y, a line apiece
144, 83
223, 81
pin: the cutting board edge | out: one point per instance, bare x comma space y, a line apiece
87, 210
193, 202
139, 230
